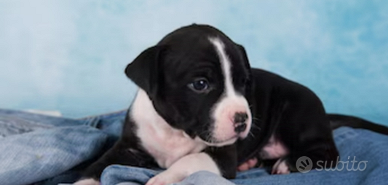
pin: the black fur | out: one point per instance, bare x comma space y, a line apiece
293, 114
337, 120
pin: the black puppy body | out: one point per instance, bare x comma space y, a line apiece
289, 121
197, 101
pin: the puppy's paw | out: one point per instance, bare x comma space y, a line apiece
164, 178
280, 167
87, 182
251, 163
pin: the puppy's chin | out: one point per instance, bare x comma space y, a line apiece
217, 143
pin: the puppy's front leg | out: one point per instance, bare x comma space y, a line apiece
219, 160
184, 167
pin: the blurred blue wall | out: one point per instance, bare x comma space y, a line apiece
70, 55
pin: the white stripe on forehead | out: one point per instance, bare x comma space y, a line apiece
225, 65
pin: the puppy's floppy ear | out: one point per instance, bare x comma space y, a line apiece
244, 56
143, 71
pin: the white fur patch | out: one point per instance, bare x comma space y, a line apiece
225, 65
164, 143
230, 103
87, 182
274, 149
280, 167
184, 167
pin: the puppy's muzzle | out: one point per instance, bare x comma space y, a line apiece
239, 121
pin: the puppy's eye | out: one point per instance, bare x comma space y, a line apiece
200, 85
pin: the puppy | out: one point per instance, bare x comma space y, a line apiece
200, 106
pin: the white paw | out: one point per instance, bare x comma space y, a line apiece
87, 182
164, 178
280, 167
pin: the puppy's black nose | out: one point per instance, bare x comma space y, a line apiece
240, 117
239, 122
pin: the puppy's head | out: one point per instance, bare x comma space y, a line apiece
196, 78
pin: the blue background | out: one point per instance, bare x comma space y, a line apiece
70, 55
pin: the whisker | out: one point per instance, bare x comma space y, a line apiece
254, 118
255, 127
251, 134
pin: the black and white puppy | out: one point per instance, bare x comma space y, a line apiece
200, 106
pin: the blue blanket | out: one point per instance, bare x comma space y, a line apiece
47, 150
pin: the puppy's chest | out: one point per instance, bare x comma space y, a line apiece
167, 145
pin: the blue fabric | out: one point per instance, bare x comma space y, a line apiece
44, 150
35, 156
353, 144
35, 147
